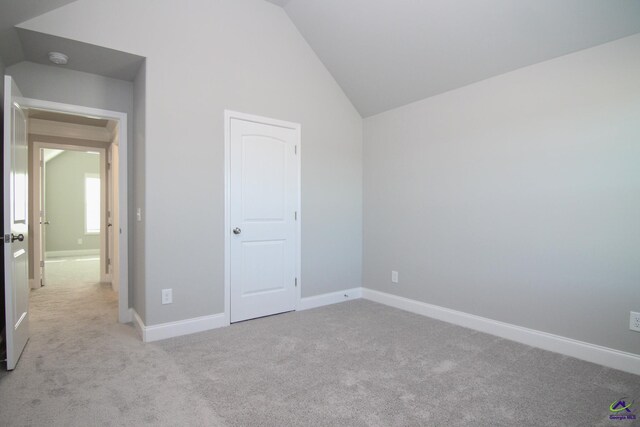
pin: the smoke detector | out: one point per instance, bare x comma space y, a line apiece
58, 58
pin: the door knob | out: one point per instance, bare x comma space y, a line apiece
19, 237
237, 231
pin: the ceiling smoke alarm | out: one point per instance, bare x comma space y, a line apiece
58, 58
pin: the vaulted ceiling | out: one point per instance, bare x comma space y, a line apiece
387, 53
13, 12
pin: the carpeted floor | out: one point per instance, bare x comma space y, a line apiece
356, 363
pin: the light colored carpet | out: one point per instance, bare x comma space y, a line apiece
62, 271
357, 363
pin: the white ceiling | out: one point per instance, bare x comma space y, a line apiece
13, 12
387, 53
82, 56
18, 45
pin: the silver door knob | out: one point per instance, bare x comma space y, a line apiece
237, 231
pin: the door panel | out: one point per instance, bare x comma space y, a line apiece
16, 260
263, 203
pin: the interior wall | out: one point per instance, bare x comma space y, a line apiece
516, 198
65, 202
2, 71
138, 289
243, 55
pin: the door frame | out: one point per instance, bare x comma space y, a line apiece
228, 116
124, 312
37, 190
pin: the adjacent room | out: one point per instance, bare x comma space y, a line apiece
71, 243
294, 212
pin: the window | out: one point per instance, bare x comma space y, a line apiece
92, 204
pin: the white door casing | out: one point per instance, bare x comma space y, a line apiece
113, 222
16, 224
264, 217
124, 311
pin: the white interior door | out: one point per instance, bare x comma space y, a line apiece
40, 241
263, 201
16, 254
113, 223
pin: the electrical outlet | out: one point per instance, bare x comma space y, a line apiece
394, 277
634, 321
80, 241
167, 296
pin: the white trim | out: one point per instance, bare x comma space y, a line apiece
68, 130
329, 298
129, 316
138, 324
605, 356
228, 115
75, 252
123, 294
179, 328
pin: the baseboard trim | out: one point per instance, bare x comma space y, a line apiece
78, 252
138, 324
605, 356
329, 298
128, 317
167, 330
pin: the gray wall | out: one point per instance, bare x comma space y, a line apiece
2, 71
516, 198
202, 58
139, 132
64, 201
58, 84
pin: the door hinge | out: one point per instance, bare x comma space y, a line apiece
296, 282
295, 215
108, 166
108, 261
295, 149
41, 263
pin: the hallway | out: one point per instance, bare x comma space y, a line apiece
81, 367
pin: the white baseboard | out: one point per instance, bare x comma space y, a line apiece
329, 298
128, 317
138, 324
176, 329
605, 356
78, 252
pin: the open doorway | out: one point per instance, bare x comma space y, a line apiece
71, 203
77, 195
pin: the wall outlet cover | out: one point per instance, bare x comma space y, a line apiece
80, 241
634, 321
167, 296
394, 276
